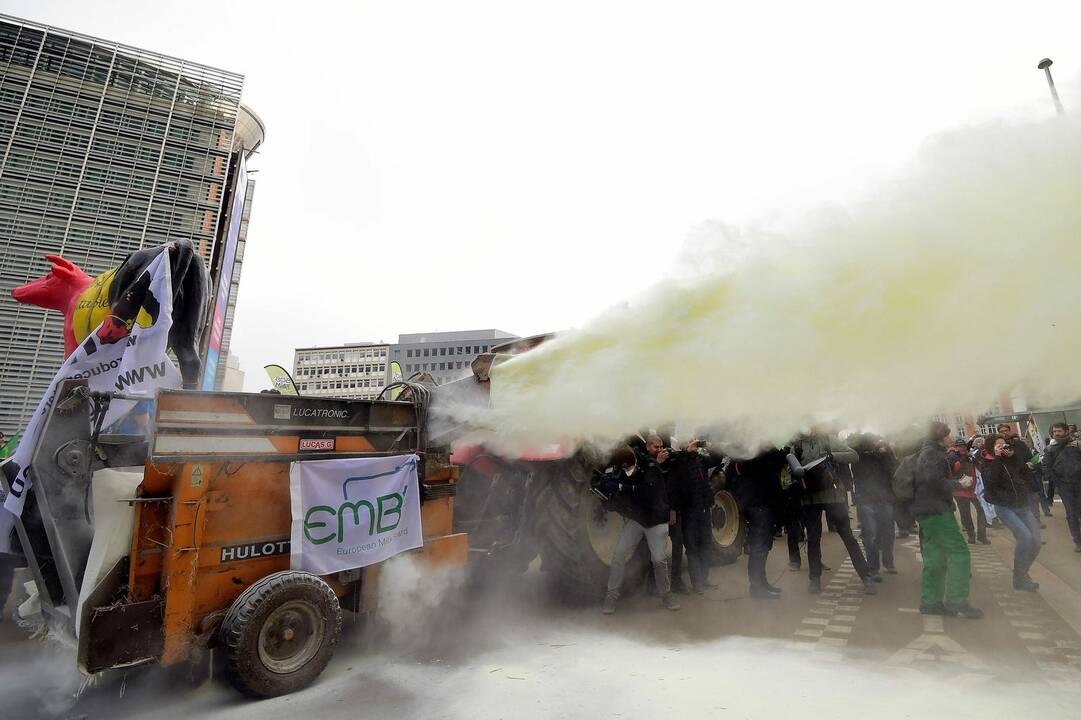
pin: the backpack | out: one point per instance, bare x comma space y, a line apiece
904, 478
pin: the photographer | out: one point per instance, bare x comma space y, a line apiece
756, 483
1007, 485
690, 493
962, 466
1062, 466
873, 492
648, 450
824, 493
1037, 497
636, 486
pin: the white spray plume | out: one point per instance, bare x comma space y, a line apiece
940, 291
414, 598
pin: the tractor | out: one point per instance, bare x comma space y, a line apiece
539, 503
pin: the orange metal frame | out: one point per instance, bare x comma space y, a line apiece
206, 530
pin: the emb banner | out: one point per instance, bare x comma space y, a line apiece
350, 513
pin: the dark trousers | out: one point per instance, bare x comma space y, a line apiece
838, 514
8, 563
876, 528
964, 509
675, 534
697, 534
792, 531
902, 519
1039, 501
1070, 492
760, 540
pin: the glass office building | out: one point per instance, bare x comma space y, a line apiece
104, 149
357, 371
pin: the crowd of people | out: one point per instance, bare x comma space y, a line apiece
948, 490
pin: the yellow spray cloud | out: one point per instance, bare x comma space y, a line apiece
937, 292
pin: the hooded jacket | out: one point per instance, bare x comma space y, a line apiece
1062, 462
689, 484
642, 495
1006, 481
872, 476
933, 486
756, 482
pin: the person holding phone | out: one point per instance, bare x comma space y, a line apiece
643, 501
1007, 486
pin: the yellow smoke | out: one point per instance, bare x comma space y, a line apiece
937, 292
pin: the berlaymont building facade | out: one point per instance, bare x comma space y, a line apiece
106, 149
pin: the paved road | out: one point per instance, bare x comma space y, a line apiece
512, 653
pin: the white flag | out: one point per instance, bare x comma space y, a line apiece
134, 363
350, 513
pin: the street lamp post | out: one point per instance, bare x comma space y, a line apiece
1045, 65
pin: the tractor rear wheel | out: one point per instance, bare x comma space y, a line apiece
729, 529
576, 536
279, 635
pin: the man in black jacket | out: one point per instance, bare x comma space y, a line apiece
1062, 466
638, 490
1037, 497
756, 483
873, 491
647, 449
825, 493
947, 565
690, 495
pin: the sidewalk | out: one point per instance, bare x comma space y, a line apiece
1057, 569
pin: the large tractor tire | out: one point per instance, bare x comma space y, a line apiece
279, 635
729, 528
577, 537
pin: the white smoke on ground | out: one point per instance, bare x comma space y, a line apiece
415, 599
40, 678
937, 292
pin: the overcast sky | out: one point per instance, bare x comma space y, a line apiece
459, 165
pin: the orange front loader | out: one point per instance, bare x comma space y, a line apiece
208, 563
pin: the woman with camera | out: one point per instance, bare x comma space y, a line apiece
1007, 486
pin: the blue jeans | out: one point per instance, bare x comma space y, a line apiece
876, 529
1026, 531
